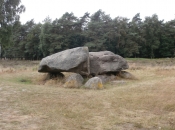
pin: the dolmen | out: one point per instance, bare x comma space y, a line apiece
90, 64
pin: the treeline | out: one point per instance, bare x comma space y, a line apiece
148, 38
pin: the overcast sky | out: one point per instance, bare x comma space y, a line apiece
40, 9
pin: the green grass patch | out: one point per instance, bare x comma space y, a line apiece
23, 80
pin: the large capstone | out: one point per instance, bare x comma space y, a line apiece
72, 60
106, 62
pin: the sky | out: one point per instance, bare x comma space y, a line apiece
40, 9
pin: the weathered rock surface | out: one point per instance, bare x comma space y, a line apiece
72, 60
94, 83
106, 78
74, 81
126, 75
105, 62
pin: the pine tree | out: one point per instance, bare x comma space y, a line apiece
9, 13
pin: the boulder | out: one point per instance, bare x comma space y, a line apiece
74, 81
94, 83
72, 60
106, 78
126, 75
106, 62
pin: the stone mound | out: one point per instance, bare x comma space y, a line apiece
104, 65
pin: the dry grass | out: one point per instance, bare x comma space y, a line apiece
144, 104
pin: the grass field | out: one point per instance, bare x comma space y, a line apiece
28, 103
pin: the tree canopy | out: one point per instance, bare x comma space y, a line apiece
10, 11
148, 38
